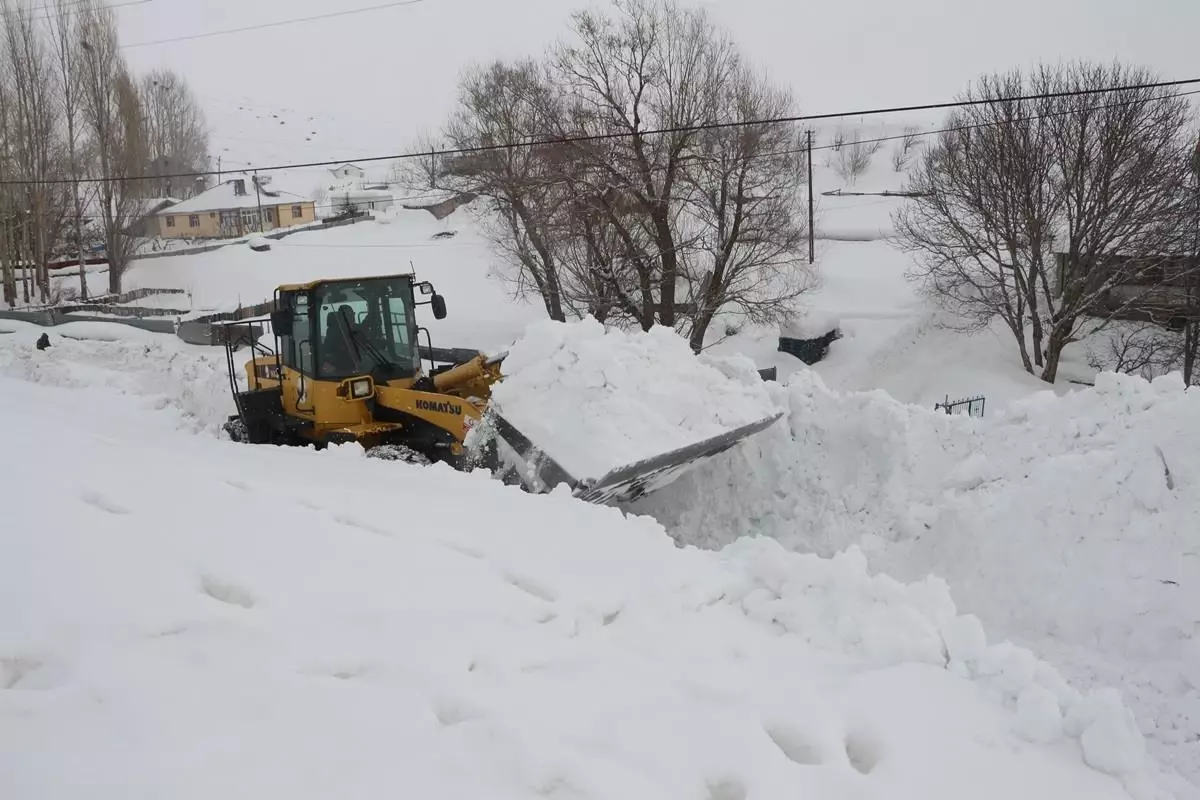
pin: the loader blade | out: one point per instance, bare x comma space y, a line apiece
634, 481
538, 472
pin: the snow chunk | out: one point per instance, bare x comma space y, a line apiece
1039, 718
1110, 737
595, 399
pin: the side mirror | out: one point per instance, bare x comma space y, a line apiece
439, 306
281, 323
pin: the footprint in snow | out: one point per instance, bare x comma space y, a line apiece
796, 746
25, 673
97, 500
727, 789
227, 592
864, 752
351, 522
450, 712
531, 587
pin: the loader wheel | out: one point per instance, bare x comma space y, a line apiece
398, 452
236, 429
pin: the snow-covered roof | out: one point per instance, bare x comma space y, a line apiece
222, 197
151, 204
355, 193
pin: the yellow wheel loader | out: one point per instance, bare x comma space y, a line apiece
343, 363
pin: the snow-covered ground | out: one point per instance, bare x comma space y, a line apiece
1057, 525
1070, 525
196, 618
1067, 525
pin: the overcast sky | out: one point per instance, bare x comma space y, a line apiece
367, 83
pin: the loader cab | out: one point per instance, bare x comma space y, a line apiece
336, 329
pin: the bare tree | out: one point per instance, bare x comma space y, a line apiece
1143, 348
1191, 331
745, 201
63, 41
176, 134
1026, 206
113, 114
1121, 161
983, 224
33, 134
854, 158
903, 153
503, 106
652, 66
421, 173
604, 215
9, 214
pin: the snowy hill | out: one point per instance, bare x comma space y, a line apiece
200, 618
1056, 525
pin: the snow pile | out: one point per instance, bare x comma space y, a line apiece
596, 399
842, 467
205, 619
1066, 524
158, 368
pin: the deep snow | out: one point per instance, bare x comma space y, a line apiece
847, 468
597, 399
196, 618
1070, 525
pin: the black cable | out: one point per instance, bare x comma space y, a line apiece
53, 11
627, 134
973, 126
276, 24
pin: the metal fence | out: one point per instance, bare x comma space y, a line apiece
971, 406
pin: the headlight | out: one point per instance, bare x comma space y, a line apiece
360, 388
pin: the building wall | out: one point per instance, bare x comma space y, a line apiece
284, 218
208, 225
209, 222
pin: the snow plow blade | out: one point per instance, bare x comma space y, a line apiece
539, 473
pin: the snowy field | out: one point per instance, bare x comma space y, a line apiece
196, 618
778, 670
1065, 522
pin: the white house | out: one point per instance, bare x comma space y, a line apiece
359, 199
348, 173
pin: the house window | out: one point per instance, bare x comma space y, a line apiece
297, 212
270, 212
170, 222
194, 221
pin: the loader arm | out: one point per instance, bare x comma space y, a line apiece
474, 378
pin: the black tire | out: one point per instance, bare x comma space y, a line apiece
235, 428
398, 452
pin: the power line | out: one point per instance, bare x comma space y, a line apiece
70, 9
276, 24
652, 132
972, 126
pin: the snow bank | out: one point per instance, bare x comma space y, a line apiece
206, 619
1067, 524
595, 399
156, 370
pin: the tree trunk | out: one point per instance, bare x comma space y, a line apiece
1191, 342
1054, 348
1038, 337
669, 259
1024, 348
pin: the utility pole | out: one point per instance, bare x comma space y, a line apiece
1191, 328
258, 195
811, 246
218, 169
